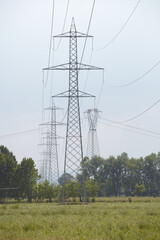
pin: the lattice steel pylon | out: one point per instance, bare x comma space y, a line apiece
44, 167
73, 147
50, 166
92, 145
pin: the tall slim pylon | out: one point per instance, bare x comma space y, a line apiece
44, 163
92, 145
50, 166
73, 148
53, 172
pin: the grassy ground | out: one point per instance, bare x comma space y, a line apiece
108, 219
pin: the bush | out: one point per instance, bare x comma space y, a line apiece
74, 199
93, 199
154, 195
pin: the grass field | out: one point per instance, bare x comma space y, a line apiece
108, 218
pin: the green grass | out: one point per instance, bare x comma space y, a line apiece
108, 219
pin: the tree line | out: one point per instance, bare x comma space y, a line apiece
125, 176
114, 176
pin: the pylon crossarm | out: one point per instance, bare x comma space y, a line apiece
44, 144
68, 35
63, 94
58, 67
45, 124
53, 108
79, 66
83, 94
82, 66
78, 94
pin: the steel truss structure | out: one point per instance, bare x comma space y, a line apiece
73, 148
50, 167
92, 146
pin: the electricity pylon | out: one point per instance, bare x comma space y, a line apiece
44, 167
50, 166
92, 145
73, 148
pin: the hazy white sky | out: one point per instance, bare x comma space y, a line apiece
24, 45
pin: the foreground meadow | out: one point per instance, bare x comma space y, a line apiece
109, 219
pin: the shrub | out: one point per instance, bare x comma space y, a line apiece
93, 199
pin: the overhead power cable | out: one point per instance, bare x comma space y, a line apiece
43, 95
79, 7
90, 20
62, 121
90, 60
128, 19
130, 130
20, 133
50, 44
130, 119
65, 18
133, 127
100, 93
136, 80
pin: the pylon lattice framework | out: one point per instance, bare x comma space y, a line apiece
92, 145
44, 163
73, 148
50, 166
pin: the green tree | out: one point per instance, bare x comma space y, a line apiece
68, 178
113, 172
48, 190
132, 175
27, 176
8, 168
92, 188
150, 174
139, 190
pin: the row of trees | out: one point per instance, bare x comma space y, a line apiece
16, 180
21, 181
113, 176
125, 176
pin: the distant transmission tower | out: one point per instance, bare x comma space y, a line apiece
44, 167
50, 166
73, 148
92, 145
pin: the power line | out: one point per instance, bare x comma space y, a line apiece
65, 18
130, 119
85, 45
62, 121
123, 128
130, 126
79, 7
100, 93
90, 20
128, 19
133, 127
50, 44
20, 133
90, 60
136, 80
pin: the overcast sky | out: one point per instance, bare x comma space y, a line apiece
25, 28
